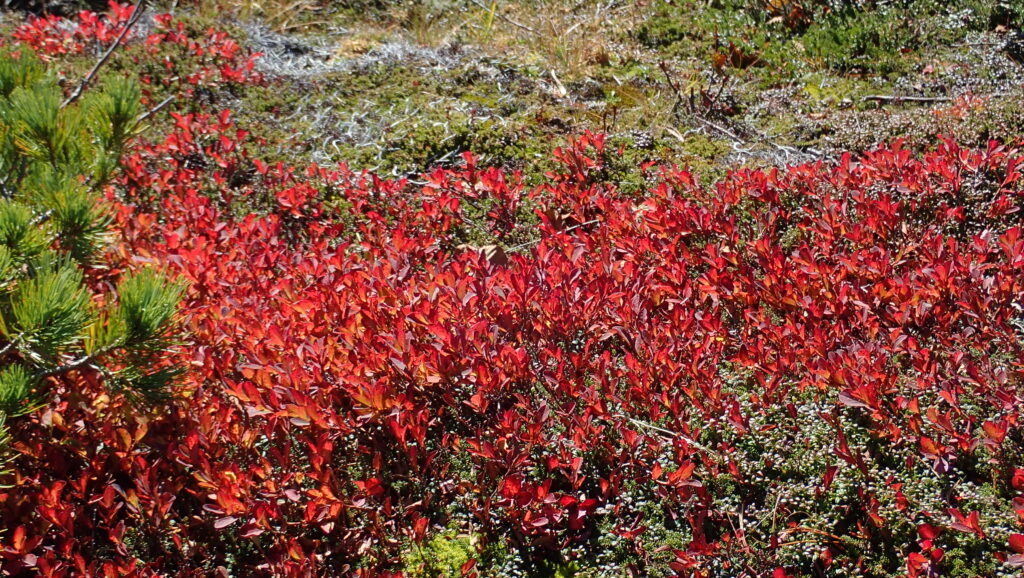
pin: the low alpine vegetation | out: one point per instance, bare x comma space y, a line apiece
215, 364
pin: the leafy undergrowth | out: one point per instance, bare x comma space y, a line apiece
803, 371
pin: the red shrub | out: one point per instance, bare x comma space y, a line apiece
815, 369
52, 36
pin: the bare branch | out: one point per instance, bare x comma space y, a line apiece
673, 85
669, 433
140, 6
79, 363
10, 345
149, 113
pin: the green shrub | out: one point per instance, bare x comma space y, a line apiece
55, 158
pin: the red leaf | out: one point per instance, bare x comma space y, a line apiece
684, 472
19, 538
970, 524
830, 475
224, 522
1018, 479
847, 399
1017, 543
929, 447
995, 431
274, 337
419, 527
928, 532
250, 530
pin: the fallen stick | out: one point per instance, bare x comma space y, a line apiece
896, 98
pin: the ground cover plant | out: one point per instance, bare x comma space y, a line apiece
594, 363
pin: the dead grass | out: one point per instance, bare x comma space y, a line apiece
569, 38
278, 15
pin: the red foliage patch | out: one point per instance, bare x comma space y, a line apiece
358, 375
52, 36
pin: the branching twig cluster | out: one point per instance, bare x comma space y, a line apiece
744, 139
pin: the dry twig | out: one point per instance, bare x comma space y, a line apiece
897, 98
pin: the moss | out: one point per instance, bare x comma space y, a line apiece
967, 562
825, 91
442, 555
704, 156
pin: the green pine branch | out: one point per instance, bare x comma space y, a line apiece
55, 156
